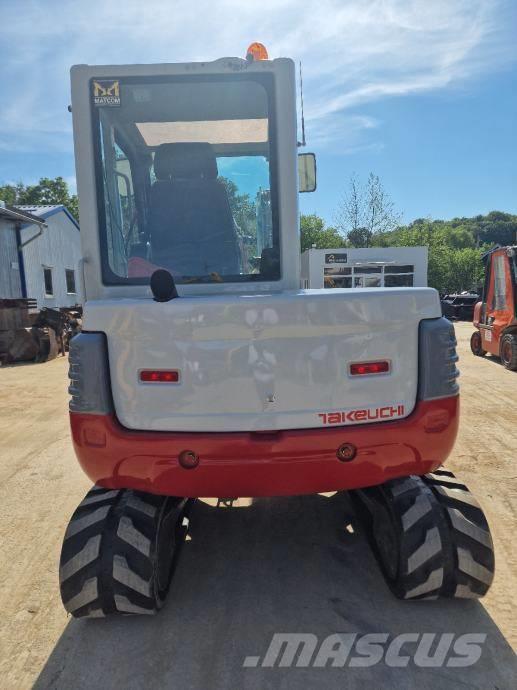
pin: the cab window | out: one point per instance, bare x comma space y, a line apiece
185, 171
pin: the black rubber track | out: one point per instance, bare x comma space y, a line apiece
473, 549
119, 552
429, 535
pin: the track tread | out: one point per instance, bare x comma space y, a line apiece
109, 557
443, 543
471, 541
412, 509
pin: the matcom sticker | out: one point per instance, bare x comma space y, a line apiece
106, 92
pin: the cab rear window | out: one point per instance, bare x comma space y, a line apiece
185, 176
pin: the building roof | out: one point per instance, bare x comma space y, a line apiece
38, 209
21, 214
46, 210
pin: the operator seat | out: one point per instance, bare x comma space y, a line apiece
191, 226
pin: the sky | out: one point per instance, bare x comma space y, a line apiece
422, 93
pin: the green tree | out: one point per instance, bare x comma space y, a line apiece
10, 193
467, 268
494, 228
454, 260
366, 211
243, 211
360, 237
313, 233
47, 191
461, 237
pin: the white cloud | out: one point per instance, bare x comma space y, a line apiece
354, 52
345, 134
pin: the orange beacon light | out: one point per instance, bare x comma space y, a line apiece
257, 51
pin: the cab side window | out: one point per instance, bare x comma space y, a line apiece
499, 300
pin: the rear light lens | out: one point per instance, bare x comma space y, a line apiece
160, 376
366, 368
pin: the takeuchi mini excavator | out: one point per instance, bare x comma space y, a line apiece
203, 370
495, 316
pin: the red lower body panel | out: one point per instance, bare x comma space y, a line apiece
281, 463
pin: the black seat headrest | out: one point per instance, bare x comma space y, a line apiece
185, 161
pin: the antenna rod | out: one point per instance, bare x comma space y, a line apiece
303, 143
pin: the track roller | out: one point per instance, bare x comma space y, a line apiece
429, 535
119, 552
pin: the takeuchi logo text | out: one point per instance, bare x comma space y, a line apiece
366, 414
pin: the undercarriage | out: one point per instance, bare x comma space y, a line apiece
428, 533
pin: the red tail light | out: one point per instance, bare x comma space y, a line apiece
160, 376
365, 368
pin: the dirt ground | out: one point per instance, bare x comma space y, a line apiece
276, 565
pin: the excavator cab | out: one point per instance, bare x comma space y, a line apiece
495, 316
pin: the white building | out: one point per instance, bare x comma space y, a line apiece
40, 250
365, 267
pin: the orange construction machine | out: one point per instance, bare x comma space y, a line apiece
495, 317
